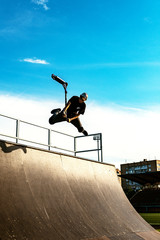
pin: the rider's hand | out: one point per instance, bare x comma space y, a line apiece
64, 114
68, 120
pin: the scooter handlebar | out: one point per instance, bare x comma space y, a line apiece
58, 79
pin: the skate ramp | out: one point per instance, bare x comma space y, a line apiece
50, 196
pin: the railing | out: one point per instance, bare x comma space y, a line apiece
98, 138
45, 137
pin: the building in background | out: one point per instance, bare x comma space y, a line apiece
144, 166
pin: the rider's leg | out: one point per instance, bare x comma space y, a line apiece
76, 122
57, 118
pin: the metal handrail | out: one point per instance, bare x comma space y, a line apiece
96, 136
49, 145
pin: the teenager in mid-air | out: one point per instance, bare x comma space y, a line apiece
74, 107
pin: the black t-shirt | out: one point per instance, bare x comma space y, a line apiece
75, 108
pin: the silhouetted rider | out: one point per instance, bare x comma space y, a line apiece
74, 107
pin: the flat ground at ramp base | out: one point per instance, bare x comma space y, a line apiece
50, 196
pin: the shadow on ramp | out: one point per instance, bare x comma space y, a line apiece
11, 148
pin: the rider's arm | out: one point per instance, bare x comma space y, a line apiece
70, 119
66, 107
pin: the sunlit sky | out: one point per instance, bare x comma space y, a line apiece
107, 48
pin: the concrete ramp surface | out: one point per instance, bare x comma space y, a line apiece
50, 196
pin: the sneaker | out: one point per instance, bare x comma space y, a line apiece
55, 111
85, 133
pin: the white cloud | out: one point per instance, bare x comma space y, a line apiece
41, 2
34, 60
128, 134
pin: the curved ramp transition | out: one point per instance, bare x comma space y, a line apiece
50, 196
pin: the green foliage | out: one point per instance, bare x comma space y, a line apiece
129, 192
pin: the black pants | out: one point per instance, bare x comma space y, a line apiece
60, 118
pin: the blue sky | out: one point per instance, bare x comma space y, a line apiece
107, 48
110, 49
